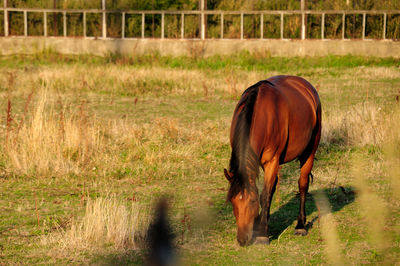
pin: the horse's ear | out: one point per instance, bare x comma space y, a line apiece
228, 175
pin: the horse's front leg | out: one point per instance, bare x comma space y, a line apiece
270, 180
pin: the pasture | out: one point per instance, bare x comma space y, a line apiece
89, 144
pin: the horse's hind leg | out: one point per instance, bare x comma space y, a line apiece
306, 164
305, 172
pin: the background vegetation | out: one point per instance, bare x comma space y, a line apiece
232, 22
212, 4
89, 143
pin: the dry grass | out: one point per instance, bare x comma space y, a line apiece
76, 80
107, 222
392, 155
59, 139
373, 207
329, 233
359, 125
381, 72
52, 140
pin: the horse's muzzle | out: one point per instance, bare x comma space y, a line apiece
244, 239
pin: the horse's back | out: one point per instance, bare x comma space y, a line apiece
297, 90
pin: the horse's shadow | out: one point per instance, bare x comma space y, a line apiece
286, 214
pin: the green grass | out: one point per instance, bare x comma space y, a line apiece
163, 126
244, 61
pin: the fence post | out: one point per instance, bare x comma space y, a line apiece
384, 26
142, 25
323, 26
303, 20
241, 26
222, 25
45, 24
343, 25
162, 25
202, 21
65, 23
5, 19
103, 4
363, 32
182, 25
25, 23
84, 24
123, 26
262, 26
281, 25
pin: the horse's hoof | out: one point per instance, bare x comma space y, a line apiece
300, 232
262, 240
256, 233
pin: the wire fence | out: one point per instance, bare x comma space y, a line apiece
201, 24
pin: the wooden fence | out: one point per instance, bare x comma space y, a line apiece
202, 14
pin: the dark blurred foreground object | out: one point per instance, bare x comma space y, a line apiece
160, 238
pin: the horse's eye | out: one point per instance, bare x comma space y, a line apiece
253, 201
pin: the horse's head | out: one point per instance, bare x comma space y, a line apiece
245, 205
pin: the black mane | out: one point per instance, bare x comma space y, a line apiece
243, 161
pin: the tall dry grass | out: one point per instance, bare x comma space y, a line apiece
359, 125
52, 139
59, 141
53, 130
333, 249
107, 222
373, 206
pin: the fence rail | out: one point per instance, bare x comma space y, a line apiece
202, 14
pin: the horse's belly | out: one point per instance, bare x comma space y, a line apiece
293, 152
298, 141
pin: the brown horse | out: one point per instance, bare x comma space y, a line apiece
276, 121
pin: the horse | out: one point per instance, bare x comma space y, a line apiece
276, 121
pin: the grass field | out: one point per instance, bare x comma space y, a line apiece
88, 145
